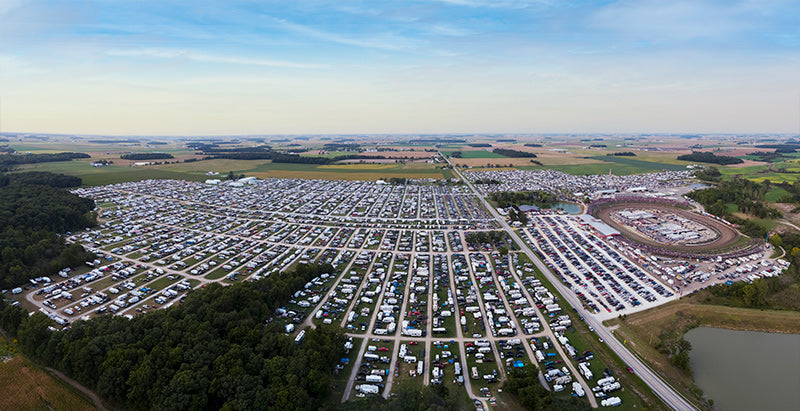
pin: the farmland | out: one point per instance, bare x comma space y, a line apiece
196, 171
28, 387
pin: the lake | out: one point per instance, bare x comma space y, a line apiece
746, 370
569, 208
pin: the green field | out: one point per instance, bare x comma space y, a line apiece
647, 165
617, 165
196, 171
93, 176
776, 194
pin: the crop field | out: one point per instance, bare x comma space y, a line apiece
27, 387
651, 165
111, 174
592, 168
602, 165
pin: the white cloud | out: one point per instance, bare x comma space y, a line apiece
163, 53
386, 41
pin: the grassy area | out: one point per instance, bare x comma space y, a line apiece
196, 171
162, 283
775, 194
28, 387
647, 165
340, 380
594, 168
94, 176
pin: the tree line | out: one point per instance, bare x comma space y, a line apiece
8, 161
289, 158
513, 153
146, 156
709, 157
517, 198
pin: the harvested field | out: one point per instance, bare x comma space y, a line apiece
26, 387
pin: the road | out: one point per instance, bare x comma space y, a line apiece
664, 391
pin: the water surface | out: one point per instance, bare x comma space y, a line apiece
746, 370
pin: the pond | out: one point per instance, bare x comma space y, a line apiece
746, 370
569, 208
698, 186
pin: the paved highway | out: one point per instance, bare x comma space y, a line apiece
668, 394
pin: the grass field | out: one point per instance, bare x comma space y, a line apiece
27, 387
649, 165
196, 171
594, 168
776, 194
112, 174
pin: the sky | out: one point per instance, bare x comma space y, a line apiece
357, 67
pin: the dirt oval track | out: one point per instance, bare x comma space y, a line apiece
727, 235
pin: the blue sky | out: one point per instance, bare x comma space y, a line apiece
450, 66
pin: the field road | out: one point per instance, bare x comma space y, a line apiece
669, 395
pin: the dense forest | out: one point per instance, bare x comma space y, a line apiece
513, 153
623, 154
516, 198
8, 161
709, 157
146, 156
212, 351
532, 145
34, 209
479, 145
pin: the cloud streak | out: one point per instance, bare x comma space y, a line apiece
182, 54
383, 41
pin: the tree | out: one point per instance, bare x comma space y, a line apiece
776, 240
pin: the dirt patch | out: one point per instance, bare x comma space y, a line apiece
727, 235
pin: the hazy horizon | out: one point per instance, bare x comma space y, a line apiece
420, 67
